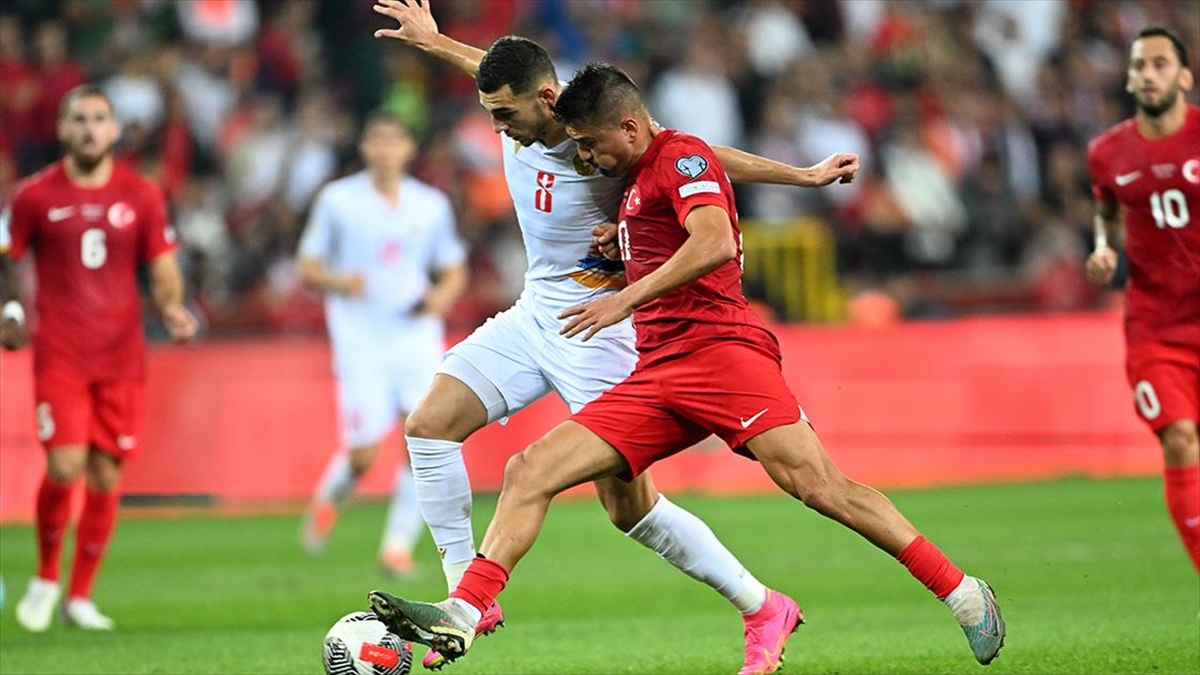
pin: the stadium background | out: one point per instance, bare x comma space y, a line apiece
934, 313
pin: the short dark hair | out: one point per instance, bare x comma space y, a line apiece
1176, 41
599, 93
82, 91
385, 116
520, 63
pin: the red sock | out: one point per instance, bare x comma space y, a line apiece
481, 583
1182, 487
53, 511
96, 525
931, 567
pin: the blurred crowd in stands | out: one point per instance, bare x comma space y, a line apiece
971, 118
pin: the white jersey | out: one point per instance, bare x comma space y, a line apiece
518, 356
558, 199
352, 228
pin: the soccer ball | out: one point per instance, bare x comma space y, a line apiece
360, 644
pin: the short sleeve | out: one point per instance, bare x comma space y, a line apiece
1101, 190
158, 236
317, 241
17, 221
692, 177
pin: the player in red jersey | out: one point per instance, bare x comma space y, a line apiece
1146, 175
90, 222
707, 365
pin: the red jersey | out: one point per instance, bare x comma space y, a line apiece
1157, 184
87, 244
676, 174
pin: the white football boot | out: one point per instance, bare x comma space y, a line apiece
82, 613
35, 611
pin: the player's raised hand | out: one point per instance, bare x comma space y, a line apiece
604, 238
1101, 266
840, 166
180, 323
594, 316
417, 26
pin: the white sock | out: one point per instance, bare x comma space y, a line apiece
686, 542
404, 521
966, 602
338, 480
454, 572
444, 493
463, 610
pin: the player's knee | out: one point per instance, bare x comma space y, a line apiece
103, 472
1181, 445
64, 467
526, 476
103, 480
429, 422
420, 424
362, 459
518, 474
64, 474
823, 492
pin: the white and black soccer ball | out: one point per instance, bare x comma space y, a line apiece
360, 644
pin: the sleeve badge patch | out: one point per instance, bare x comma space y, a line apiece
691, 166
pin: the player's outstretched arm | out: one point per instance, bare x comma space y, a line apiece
12, 325
744, 167
418, 29
1102, 263
166, 288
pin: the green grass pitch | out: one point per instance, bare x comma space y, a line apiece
1090, 576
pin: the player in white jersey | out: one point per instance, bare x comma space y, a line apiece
518, 356
373, 243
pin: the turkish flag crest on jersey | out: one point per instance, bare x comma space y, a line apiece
121, 215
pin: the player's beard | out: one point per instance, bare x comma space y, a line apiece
88, 161
1155, 110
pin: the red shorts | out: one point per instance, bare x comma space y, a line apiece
731, 389
1166, 382
74, 410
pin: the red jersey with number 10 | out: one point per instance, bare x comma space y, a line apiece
676, 174
1157, 184
87, 244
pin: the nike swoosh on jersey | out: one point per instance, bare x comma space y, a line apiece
1124, 179
60, 213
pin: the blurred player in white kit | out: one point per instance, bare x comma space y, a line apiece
383, 249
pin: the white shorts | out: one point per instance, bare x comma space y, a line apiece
377, 384
514, 359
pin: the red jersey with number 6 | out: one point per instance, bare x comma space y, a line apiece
1157, 184
87, 244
